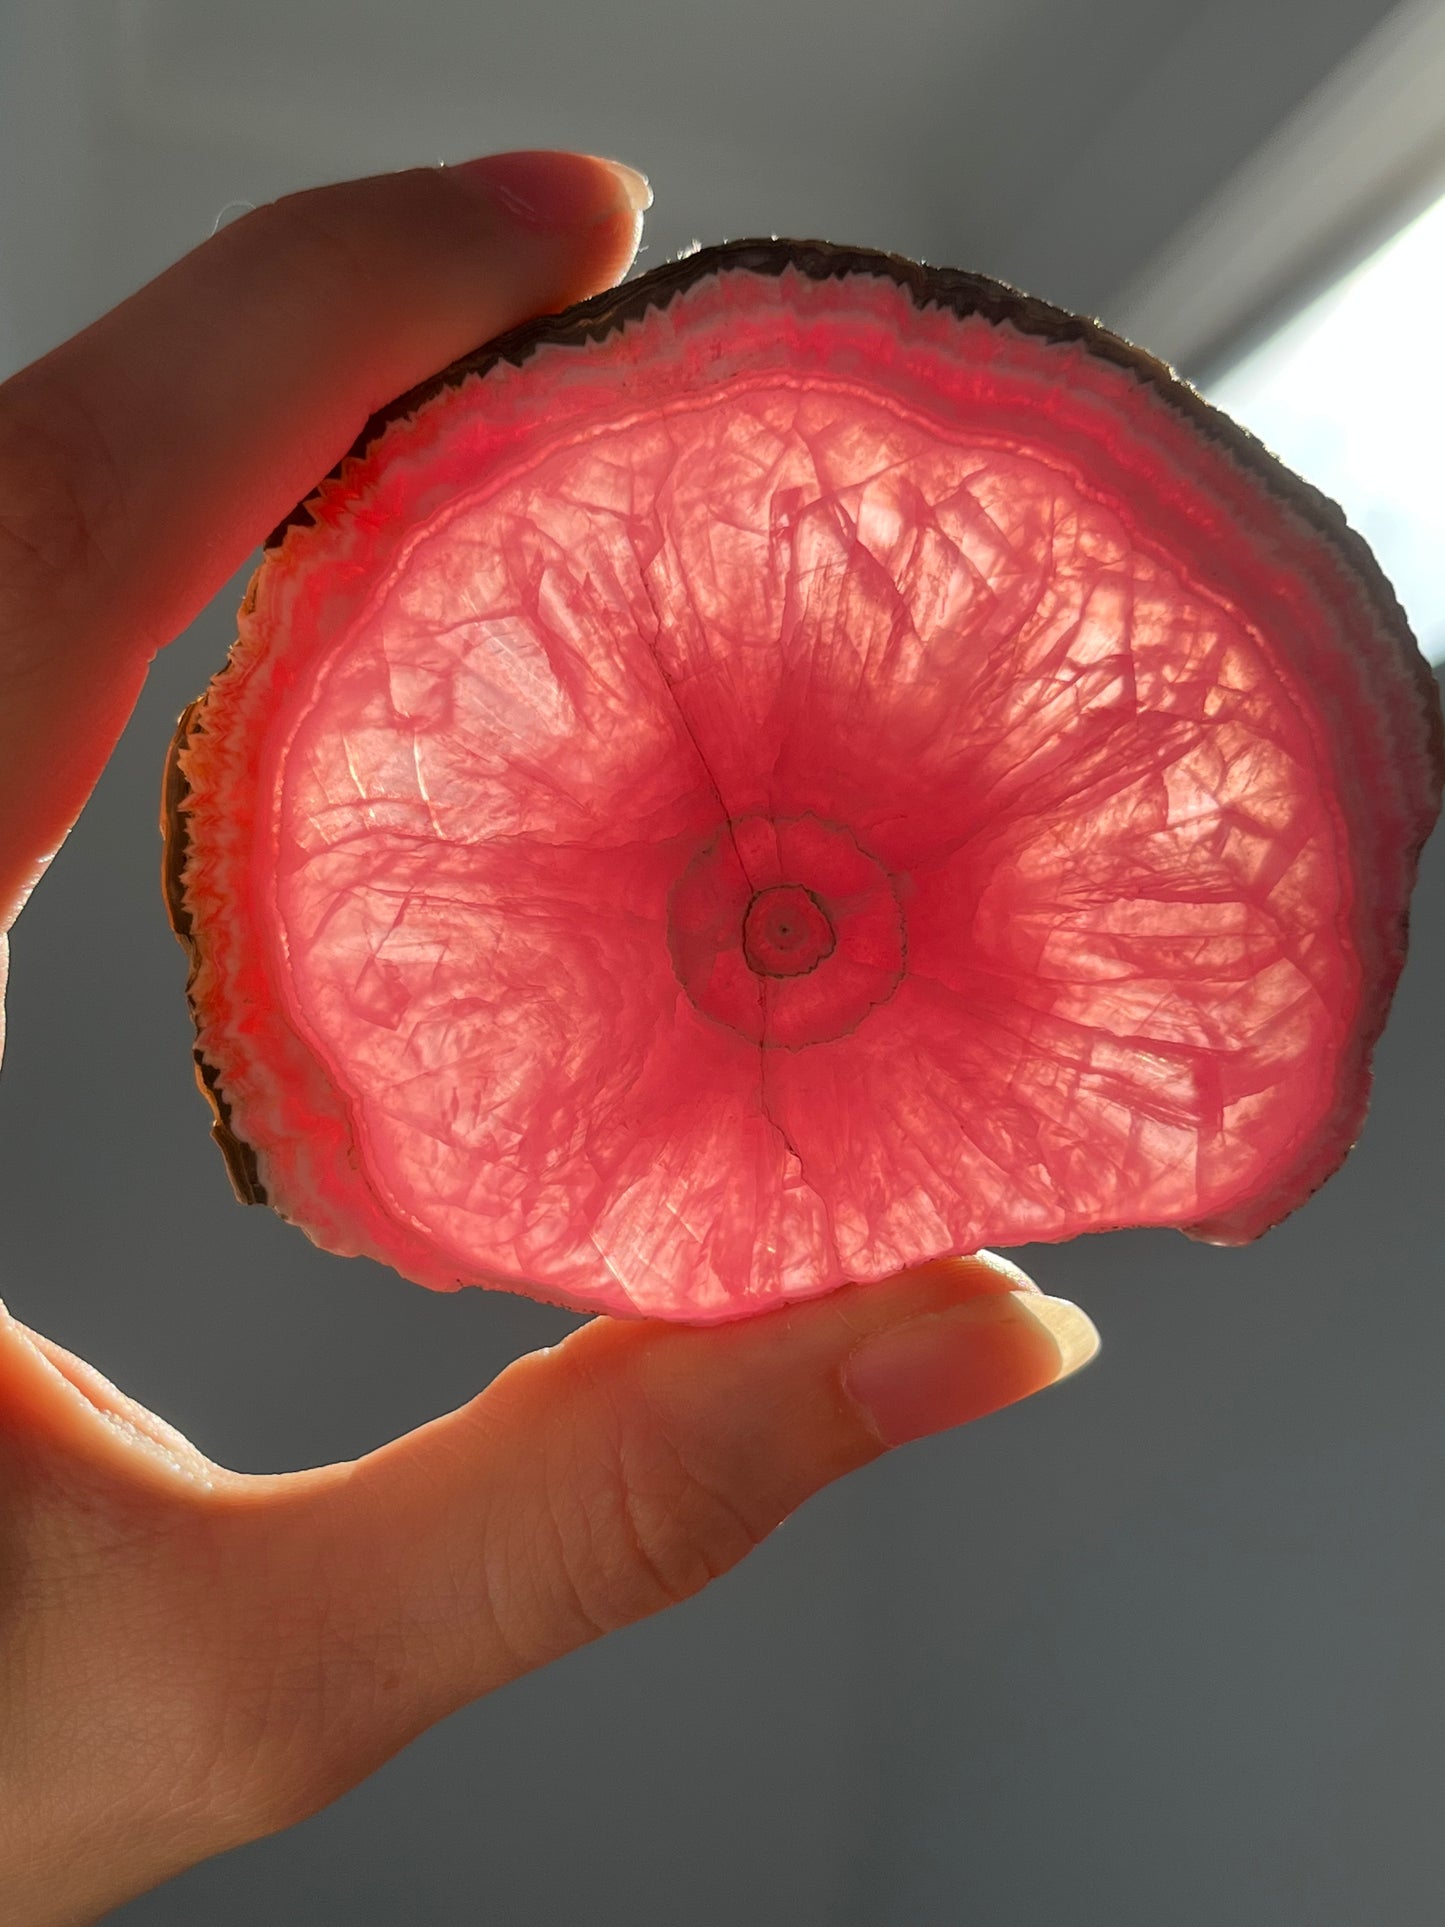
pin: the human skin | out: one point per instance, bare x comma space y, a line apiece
192, 1658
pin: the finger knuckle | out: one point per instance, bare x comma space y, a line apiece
56, 500
652, 1528
316, 235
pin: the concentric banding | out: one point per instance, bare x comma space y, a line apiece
785, 931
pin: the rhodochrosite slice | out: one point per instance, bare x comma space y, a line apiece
800, 765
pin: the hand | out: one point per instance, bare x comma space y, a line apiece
191, 1658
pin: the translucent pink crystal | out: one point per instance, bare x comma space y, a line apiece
804, 781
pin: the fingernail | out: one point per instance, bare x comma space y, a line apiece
556, 190
636, 187
948, 1367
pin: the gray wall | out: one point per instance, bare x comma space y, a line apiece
1159, 1647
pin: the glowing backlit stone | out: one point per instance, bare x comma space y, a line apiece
801, 765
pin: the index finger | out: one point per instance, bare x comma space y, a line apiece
141, 462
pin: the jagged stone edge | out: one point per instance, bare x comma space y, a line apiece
241, 1163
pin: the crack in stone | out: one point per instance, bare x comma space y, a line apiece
764, 1101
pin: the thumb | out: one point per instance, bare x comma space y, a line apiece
597, 1482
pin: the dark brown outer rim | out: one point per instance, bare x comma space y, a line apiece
955, 290
241, 1165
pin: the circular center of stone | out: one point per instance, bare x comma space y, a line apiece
787, 932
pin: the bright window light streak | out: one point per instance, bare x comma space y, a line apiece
1351, 393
